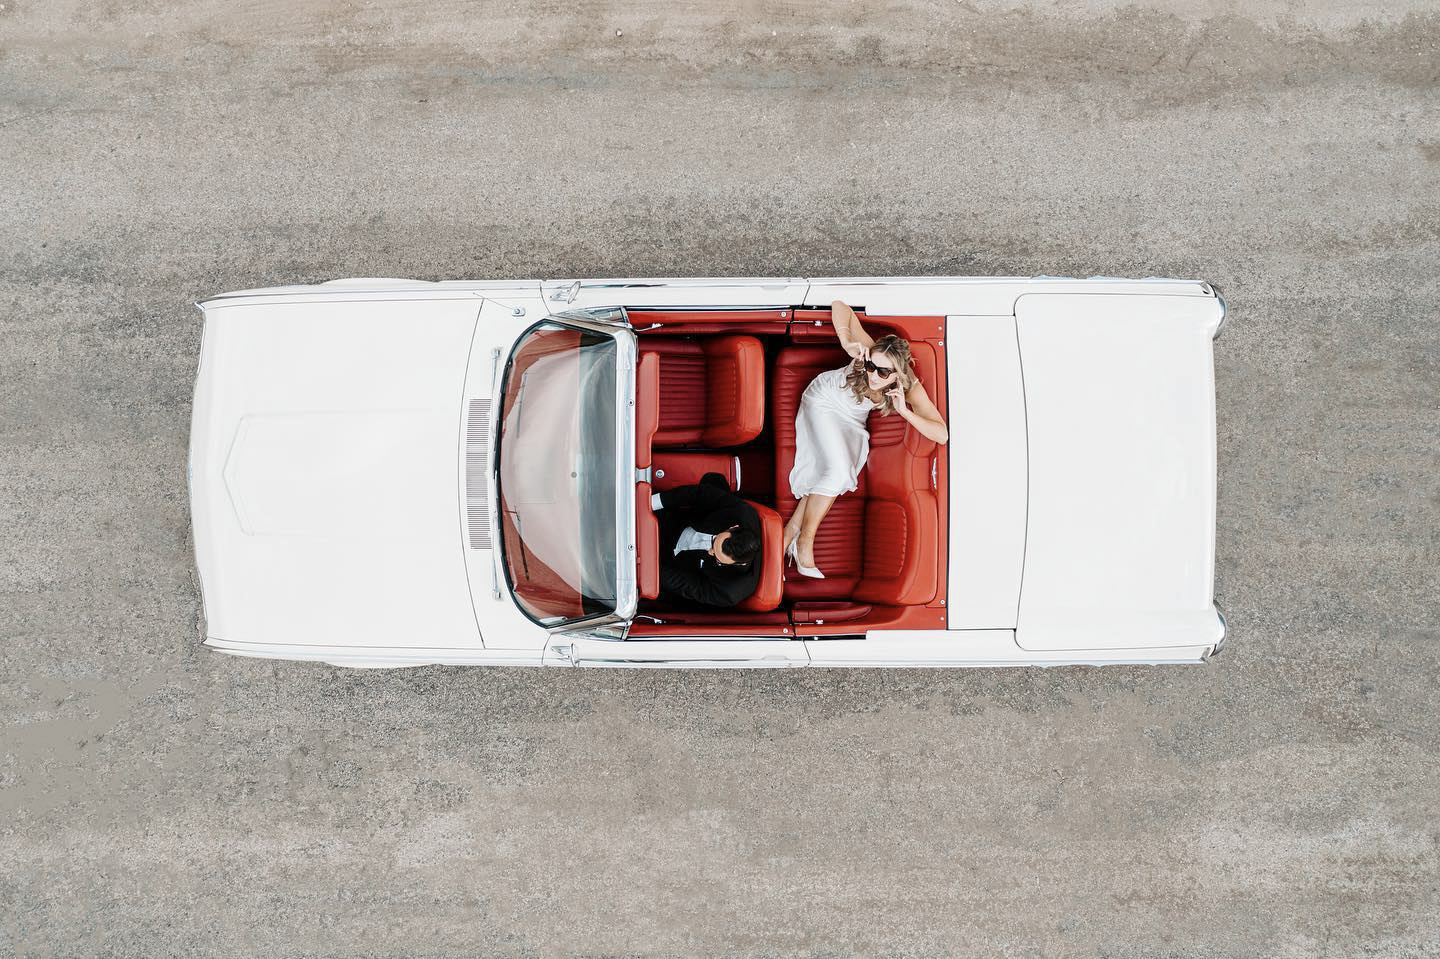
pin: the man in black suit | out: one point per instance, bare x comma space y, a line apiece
709, 544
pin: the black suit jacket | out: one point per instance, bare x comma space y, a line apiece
695, 576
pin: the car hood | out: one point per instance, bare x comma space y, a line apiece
324, 486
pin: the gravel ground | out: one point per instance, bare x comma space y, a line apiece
160, 800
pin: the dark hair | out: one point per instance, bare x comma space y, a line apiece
741, 544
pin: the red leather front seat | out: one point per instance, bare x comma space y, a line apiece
768, 592
771, 588
647, 544
712, 390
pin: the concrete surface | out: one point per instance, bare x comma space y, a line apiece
160, 800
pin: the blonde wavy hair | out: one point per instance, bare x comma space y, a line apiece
898, 352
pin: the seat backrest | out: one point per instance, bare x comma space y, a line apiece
734, 390
795, 367
900, 566
647, 407
682, 385
899, 453
647, 544
771, 588
841, 539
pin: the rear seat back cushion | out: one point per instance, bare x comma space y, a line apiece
795, 367
839, 553
840, 540
899, 452
901, 544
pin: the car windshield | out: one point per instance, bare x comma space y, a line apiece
557, 468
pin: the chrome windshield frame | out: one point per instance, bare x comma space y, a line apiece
627, 587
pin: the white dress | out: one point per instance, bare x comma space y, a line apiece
831, 442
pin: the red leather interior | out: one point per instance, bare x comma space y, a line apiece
653, 321
712, 391
735, 398
719, 617
719, 625
771, 588
839, 541
879, 543
681, 409
647, 544
647, 407
671, 469
881, 546
823, 612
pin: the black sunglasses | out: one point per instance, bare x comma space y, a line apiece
882, 370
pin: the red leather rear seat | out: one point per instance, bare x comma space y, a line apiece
878, 544
712, 390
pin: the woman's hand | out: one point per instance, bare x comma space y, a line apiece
897, 400
856, 350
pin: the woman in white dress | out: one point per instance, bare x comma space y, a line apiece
831, 440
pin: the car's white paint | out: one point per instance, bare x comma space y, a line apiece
988, 471
707, 652
323, 465
505, 629
688, 293
978, 647
1120, 410
300, 582
969, 295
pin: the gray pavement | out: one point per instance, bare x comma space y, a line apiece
159, 800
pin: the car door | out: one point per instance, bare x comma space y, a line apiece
684, 292
917, 647
707, 652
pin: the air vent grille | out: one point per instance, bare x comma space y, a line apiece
477, 490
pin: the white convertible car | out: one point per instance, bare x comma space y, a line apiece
394, 472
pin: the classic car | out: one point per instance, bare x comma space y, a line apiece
395, 472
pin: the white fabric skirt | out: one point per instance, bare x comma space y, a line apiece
831, 441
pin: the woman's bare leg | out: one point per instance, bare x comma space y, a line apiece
816, 506
797, 519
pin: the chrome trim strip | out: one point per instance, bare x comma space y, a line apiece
706, 308
1224, 633
1212, 290
497, 575
610, 321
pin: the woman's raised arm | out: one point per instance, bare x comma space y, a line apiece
852, 335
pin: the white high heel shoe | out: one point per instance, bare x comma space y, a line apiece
792, 554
